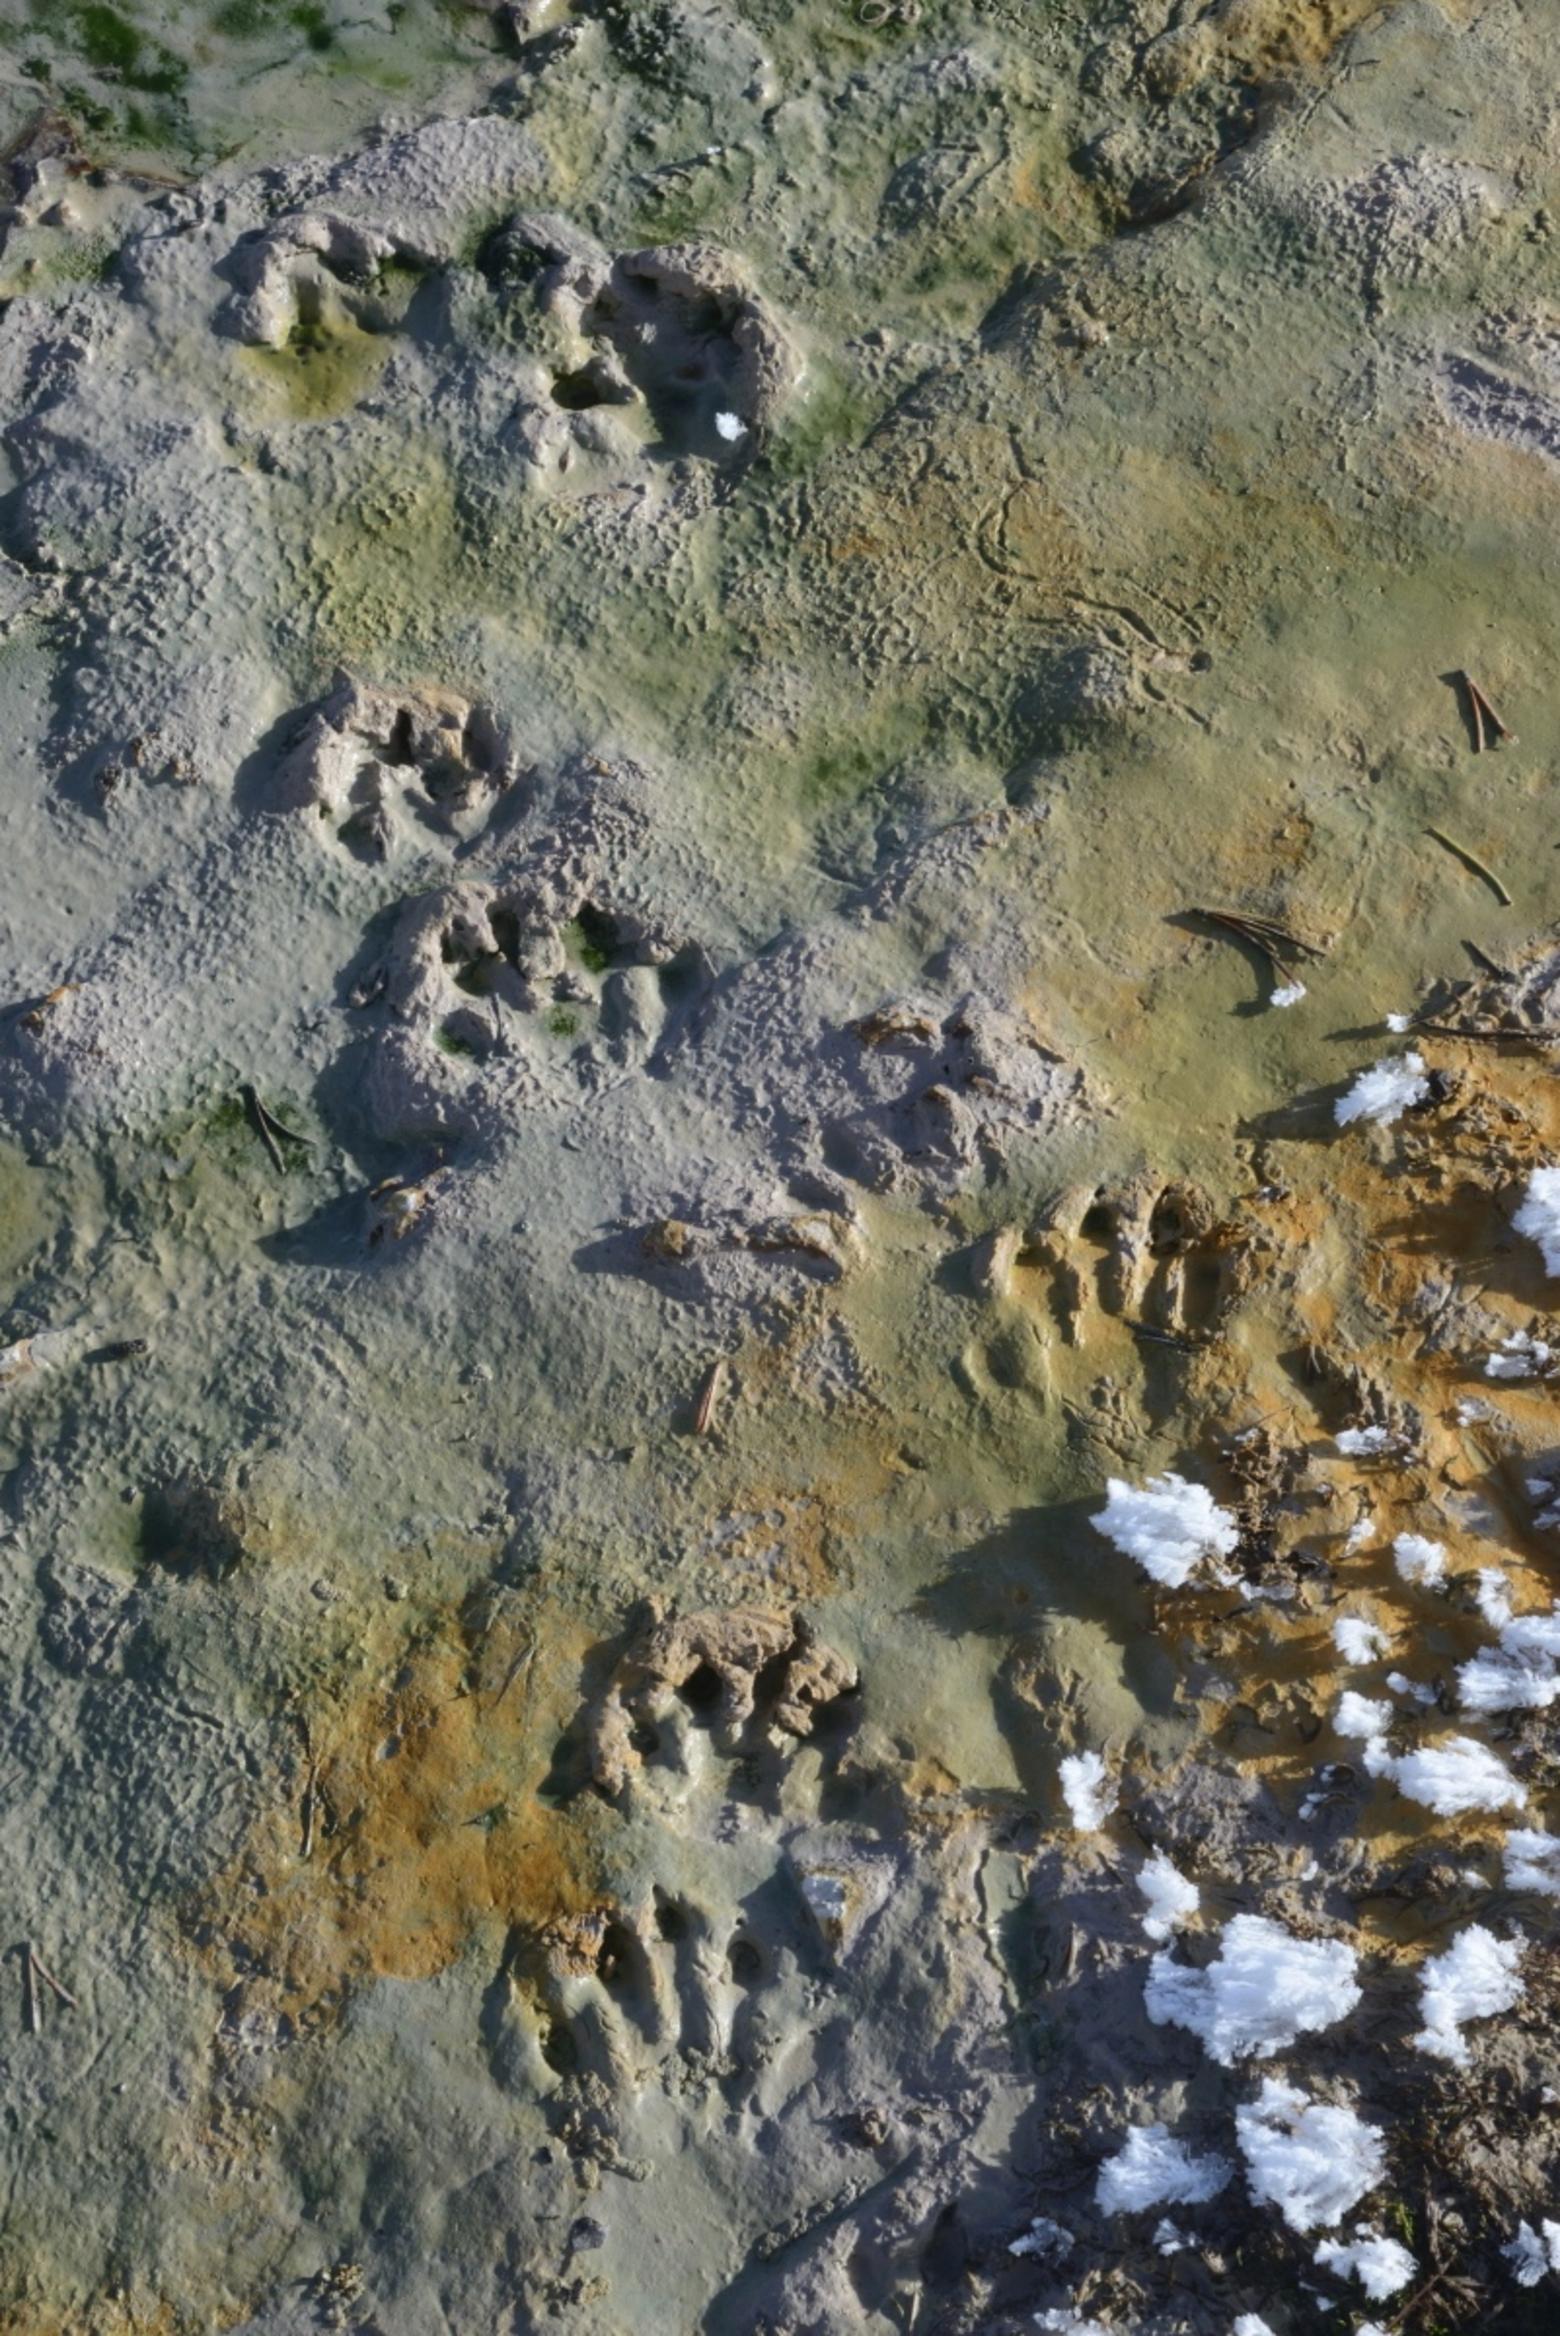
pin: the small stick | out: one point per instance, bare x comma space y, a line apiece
1273, 931
522, 1662
310, 1797
1487, 724
1252, 939
1472, 860
1185, 1346
268, 1127
49, 1980
30, 2017
1261, 932
709, 1396
1539, 1035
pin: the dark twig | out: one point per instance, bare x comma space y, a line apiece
709, 1396
1472, 860
1487, 724
268, 1127
522, 1662
49, 1980
1272, 941
1539, 1035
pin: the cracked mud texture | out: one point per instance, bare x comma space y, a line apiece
634, 637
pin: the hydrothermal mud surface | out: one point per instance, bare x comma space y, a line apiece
780, 1205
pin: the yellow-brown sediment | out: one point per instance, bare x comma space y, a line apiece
418, 1806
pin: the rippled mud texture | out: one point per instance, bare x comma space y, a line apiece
634, 641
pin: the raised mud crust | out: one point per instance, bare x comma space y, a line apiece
366, 759
680, 329
743, 1670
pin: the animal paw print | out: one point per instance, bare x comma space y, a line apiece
378, 766
724, 2006
685, 1986
1159, 1258
312, 272
682, 1996
488, 998
738, 1676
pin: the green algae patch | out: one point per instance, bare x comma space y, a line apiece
834, 411
383, 571
323, 370
46, 262
847, 760
119, 50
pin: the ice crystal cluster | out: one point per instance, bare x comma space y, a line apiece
1172, 1899
1264, 1988
1152, 2168
1313, 2160
1475, 1978
1538, 1218
1168, 1526
1385, 1091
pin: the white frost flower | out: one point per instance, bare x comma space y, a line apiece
1361, 1715
1047, 2240
1152, 2168
1357, 1640
1539, 1216
1532, 1862
1385, 1091
1167, 1525
1311, 2159
1168, 2238
1264, 1988
1251, 2324
1367, 1444
731, 427
1521, 1356
1498, 1680
1288, 993
1531, 2254
1397, 1024
1419, 1562
1451, 1777
1521, 1672
1380, 2264
1473, 1980
1172, 1899
1494, 1596
1089, 1790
